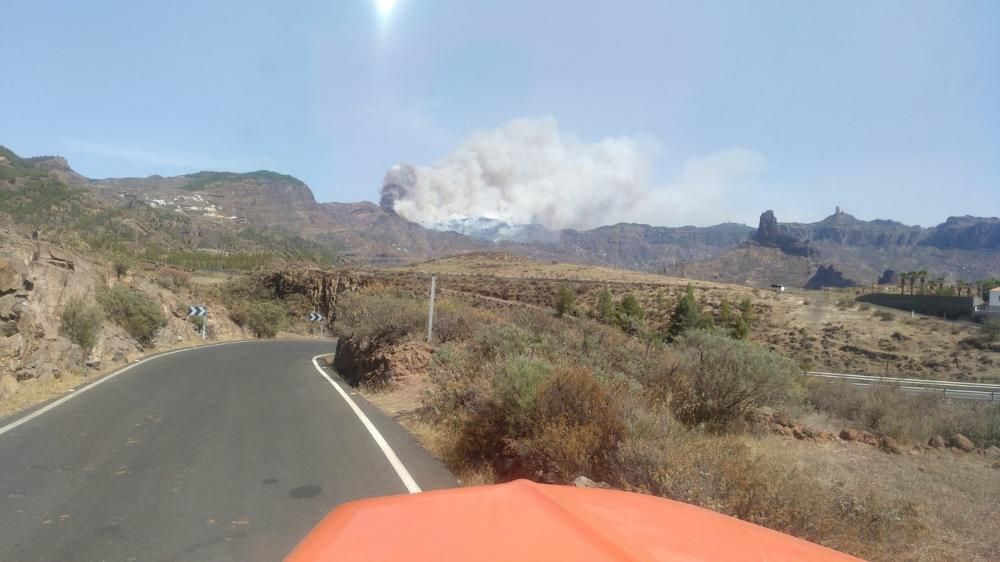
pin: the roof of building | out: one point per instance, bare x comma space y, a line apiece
995, 290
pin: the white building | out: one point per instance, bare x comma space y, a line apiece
995, 297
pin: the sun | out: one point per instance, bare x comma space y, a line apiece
385, 7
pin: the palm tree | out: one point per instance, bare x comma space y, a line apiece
902, 282
912, 278
922, 274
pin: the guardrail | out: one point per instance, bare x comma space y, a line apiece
947, 389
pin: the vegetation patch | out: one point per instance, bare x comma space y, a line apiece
81, 323
135, 312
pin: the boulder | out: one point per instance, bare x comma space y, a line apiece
781, 418
993, 451
11, 276
584, 482
961, 442
848, 434
869, 438
936, 442
11, 346
889, 445
8, 386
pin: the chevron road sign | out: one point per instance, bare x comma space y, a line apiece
315, 317
200, 311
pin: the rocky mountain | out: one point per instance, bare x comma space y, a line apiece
860, 251
266, 211
965, 233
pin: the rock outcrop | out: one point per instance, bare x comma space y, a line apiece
888, 277
828, 276
961, 442
771, 234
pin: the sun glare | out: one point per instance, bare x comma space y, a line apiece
385, 7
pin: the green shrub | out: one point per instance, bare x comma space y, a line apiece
565, 302
740, 329
719, 380
605, 307
516, 389
630, 314
81, 323
264, 318
135, 312
686, 315
173, 279
122, 263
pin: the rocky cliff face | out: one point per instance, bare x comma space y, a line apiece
828, 276
772, 235
965, 233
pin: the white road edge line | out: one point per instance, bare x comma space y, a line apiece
17, 423
397, 465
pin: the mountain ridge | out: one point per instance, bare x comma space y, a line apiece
369, 233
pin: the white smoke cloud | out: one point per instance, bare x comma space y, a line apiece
527, 172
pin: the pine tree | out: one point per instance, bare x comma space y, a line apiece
685, 316
630, 314
565, 302
605, 307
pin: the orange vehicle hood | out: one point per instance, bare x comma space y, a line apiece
523, 521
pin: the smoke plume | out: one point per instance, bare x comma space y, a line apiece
527, 172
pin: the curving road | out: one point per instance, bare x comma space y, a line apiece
230, 452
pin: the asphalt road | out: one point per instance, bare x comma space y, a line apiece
223, 453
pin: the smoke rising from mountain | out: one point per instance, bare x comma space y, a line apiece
527, 172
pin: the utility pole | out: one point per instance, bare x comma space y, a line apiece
430, 314
204, 324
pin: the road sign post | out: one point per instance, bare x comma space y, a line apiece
316, 317
430, 313
200, 311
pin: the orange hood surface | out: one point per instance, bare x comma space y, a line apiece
522, 521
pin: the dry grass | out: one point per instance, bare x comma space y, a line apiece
953, 494
520, 393
821, 330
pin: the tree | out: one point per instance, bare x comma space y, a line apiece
740, 329
903, 276
565, 302
922, 274
686, 315
605, 307
746, 309
630, 314
725, 311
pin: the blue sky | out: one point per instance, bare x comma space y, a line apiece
888, 109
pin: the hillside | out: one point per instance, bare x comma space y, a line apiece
791, 253
266, 212
823, 330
